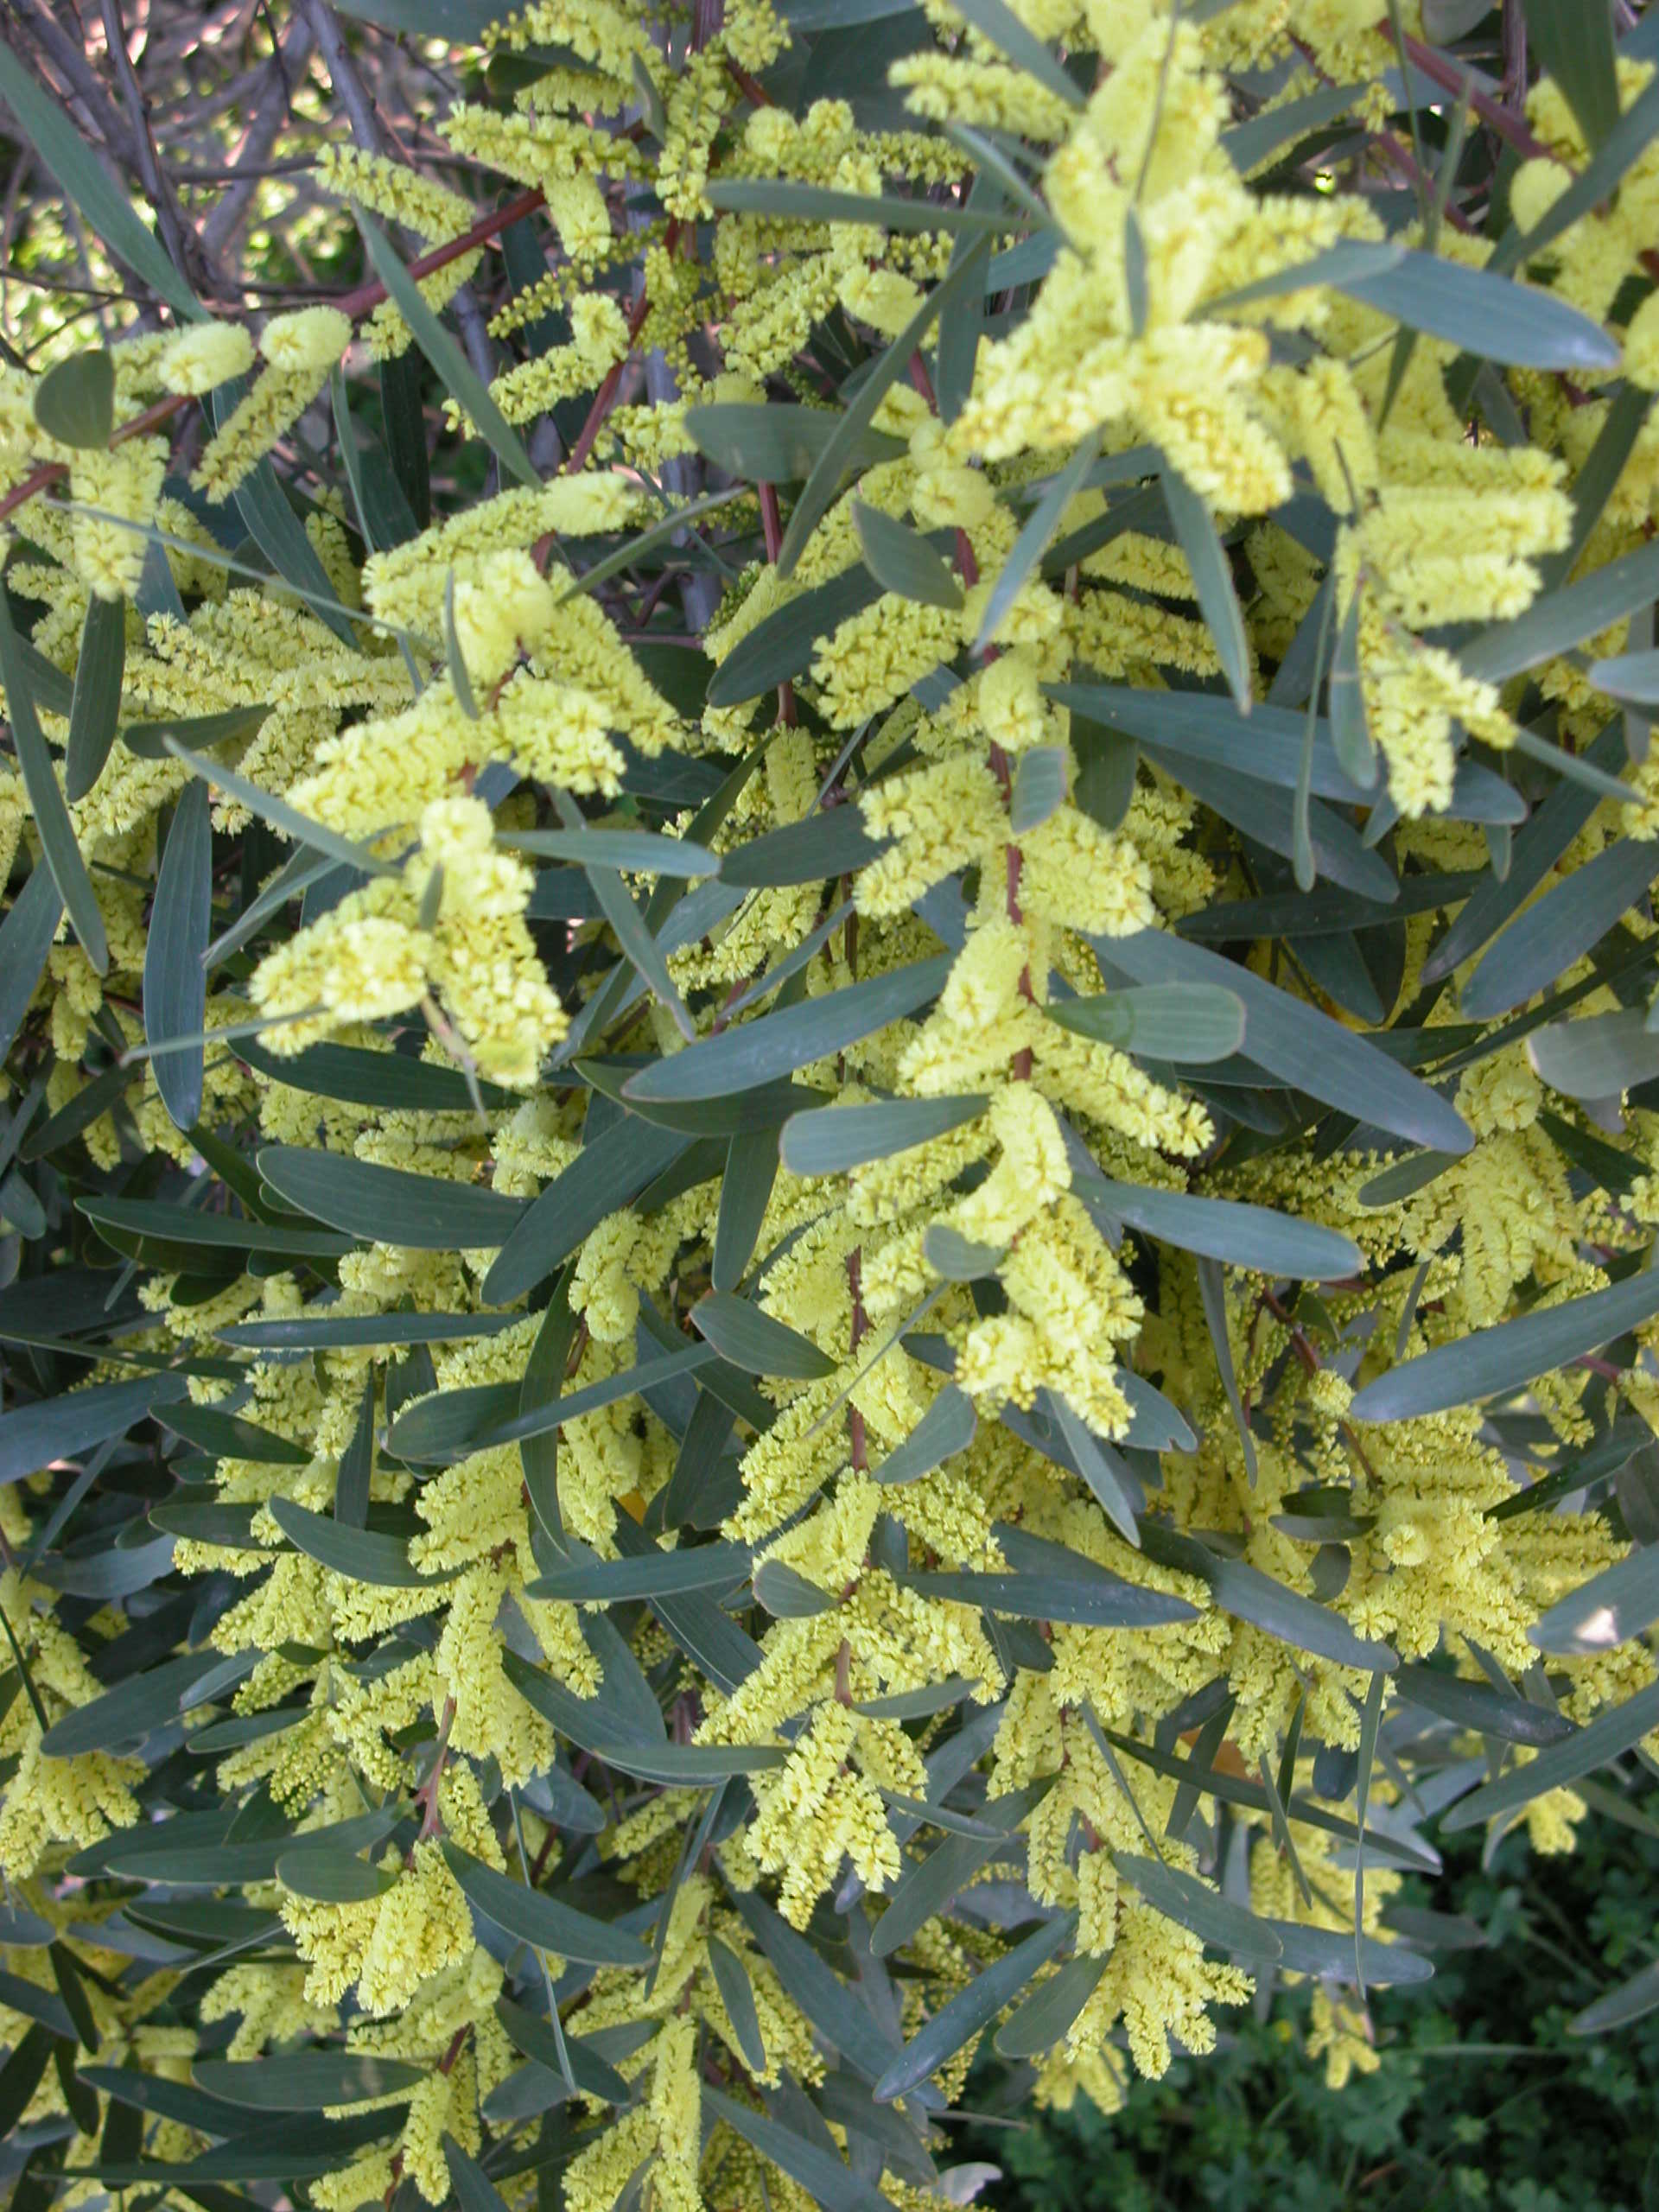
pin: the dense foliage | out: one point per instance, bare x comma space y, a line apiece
830, 1140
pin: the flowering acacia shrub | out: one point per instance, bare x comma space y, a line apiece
821, 1235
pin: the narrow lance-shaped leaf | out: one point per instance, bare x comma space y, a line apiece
175, 982
1542, 943
1558, 1765
1033, 542
1503, 1358
1607, 1611
1299, 1043
544, 1379
1212, 1291
997, 23
765, 443
1192, 1904
1575, 45
752, 1340
535, 1918
359, 1554
1213, 578
1486, 314
1192, 1022
46, 800
454, 371
829, 1143
26, 937
280, 815
973, 2008
425, 1212
776, 1045
902, 560
95, 708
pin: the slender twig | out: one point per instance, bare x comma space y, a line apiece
184, 248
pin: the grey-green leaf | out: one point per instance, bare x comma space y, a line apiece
1192, 1904
359, 1554
996, 21
1503, 1358
109, 214
41, 785
96, 706
26, 937
1299, 1043
649, 1574
901, 560
306, 2081
175, 982
946, 1429
820, 2172
32, 1436
474, 2190
1480, 1706
737, 1995
1598, 1057
838, 456
1042, 2021
765, 443
751, 1339
74, 402
1542, 944
1222, 1229
1213, 578
132, 1709
1565, 618
1558, 1765
1038, 788
1486, 314
973, 2008
831, 1142
454, 371
1574, 44
1607, 1610
1033, 542
535, 1918
1192, 1022
609, 1173
1632, 2000
425, 1213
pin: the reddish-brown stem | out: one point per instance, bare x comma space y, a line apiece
861, 1323
751, 87
771, 522
1460, 82
427, 1795
605, 397
1002, 768
479, 233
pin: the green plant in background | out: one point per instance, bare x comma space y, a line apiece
1489, 2089
831, 1139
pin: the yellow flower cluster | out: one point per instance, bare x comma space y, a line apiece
719, 1389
